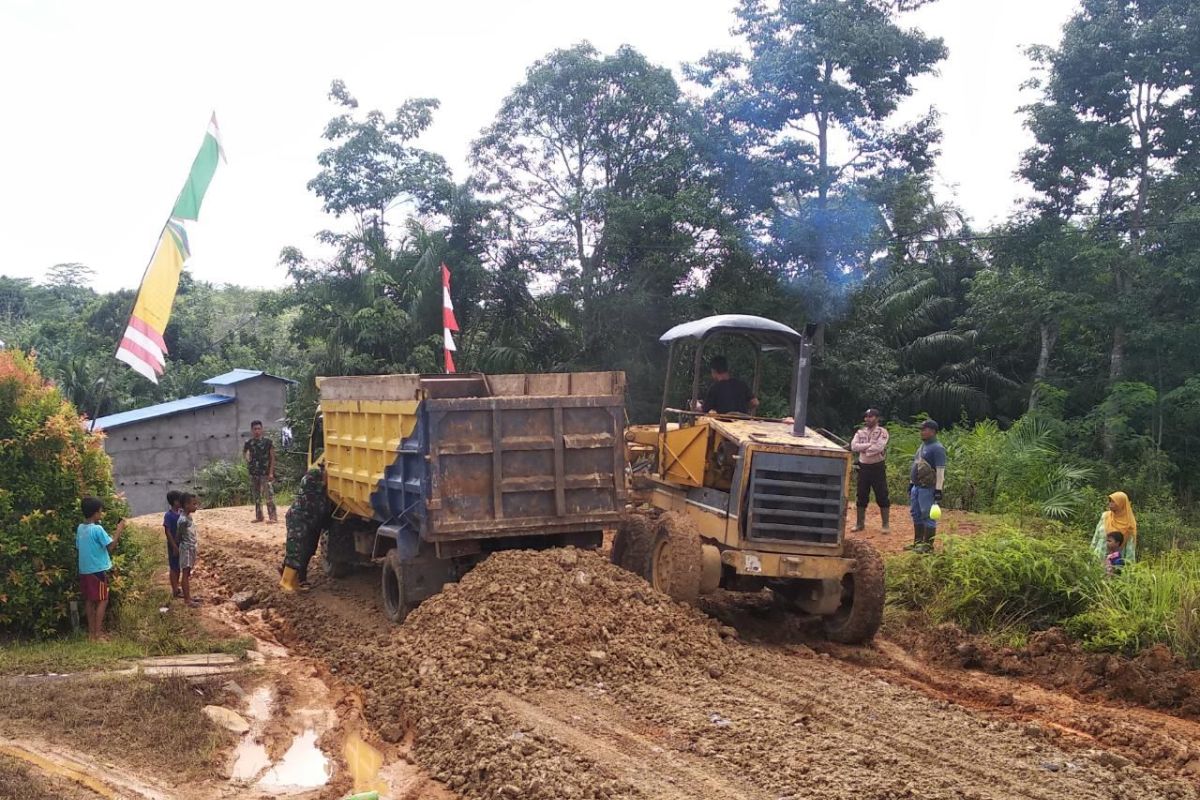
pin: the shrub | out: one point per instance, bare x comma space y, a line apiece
223, 483
1019, 470
227, 483
1004, 579
1153, 601
48, 461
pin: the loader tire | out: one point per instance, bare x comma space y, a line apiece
633, 544
860, 613
677, 560
394, 584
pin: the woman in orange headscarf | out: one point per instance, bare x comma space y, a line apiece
1118, 519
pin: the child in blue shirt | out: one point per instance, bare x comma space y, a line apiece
95, 560
170, 528
1113, 560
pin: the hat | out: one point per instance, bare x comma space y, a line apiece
933, 426
872, 412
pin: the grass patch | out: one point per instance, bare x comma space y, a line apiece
1006, 580
1156, 601
1015, 578
137, 627
156, 724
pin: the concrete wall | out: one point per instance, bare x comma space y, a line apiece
259, 398
150, 458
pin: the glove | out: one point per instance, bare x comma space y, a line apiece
937, 496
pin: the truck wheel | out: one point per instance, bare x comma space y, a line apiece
860, 612
333, 560
676, 561
396, 603
633, 543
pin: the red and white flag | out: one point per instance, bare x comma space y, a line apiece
449, 323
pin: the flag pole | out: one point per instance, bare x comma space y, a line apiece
104, 381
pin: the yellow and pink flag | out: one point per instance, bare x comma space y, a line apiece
142, 346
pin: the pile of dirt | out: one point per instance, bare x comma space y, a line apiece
1154, 678
524, 621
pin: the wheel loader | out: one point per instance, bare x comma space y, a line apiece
745, 503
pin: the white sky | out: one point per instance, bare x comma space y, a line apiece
104, 105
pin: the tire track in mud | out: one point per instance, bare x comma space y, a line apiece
773, 725
599, 730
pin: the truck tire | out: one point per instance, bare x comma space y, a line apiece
633, 543
335, 562
860, 612
394, 584
676, 560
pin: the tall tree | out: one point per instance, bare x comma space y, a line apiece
1118, 113
371, 162
591, 161
810, 111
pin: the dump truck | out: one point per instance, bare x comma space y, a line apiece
428, 474
746, 503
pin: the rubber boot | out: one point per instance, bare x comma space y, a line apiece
289, 581
929, 534
884, 513
860, 519
918, 538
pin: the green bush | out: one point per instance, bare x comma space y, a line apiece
223, 483
1154, 601
48, 461
1004, 579
1020, 470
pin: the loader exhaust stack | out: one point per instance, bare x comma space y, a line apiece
800, 389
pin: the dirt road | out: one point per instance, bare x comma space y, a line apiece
507, 707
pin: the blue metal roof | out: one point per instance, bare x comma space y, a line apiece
163, 409
239, 375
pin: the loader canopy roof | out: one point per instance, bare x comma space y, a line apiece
765, 334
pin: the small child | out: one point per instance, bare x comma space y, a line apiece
170, 528
95, 560
1113, 560
187, 537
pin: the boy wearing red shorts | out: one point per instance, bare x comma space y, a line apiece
95, 560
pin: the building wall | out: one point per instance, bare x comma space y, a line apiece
259, 398
150, 458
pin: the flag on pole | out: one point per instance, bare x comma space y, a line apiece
449, 323
142, 346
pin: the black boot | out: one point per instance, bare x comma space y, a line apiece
929, 534
918, 538
884, 511
861, 519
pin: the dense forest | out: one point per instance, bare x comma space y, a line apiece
609, 200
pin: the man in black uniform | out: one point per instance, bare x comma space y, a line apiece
727, 395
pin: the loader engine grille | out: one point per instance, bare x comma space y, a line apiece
796, 498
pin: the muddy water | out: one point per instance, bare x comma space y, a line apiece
302, 767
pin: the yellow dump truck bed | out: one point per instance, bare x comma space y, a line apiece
473, 456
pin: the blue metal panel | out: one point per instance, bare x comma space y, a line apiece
162, 409
400, 496
239, 375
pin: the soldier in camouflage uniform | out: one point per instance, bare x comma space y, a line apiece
259, 454
308, 516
